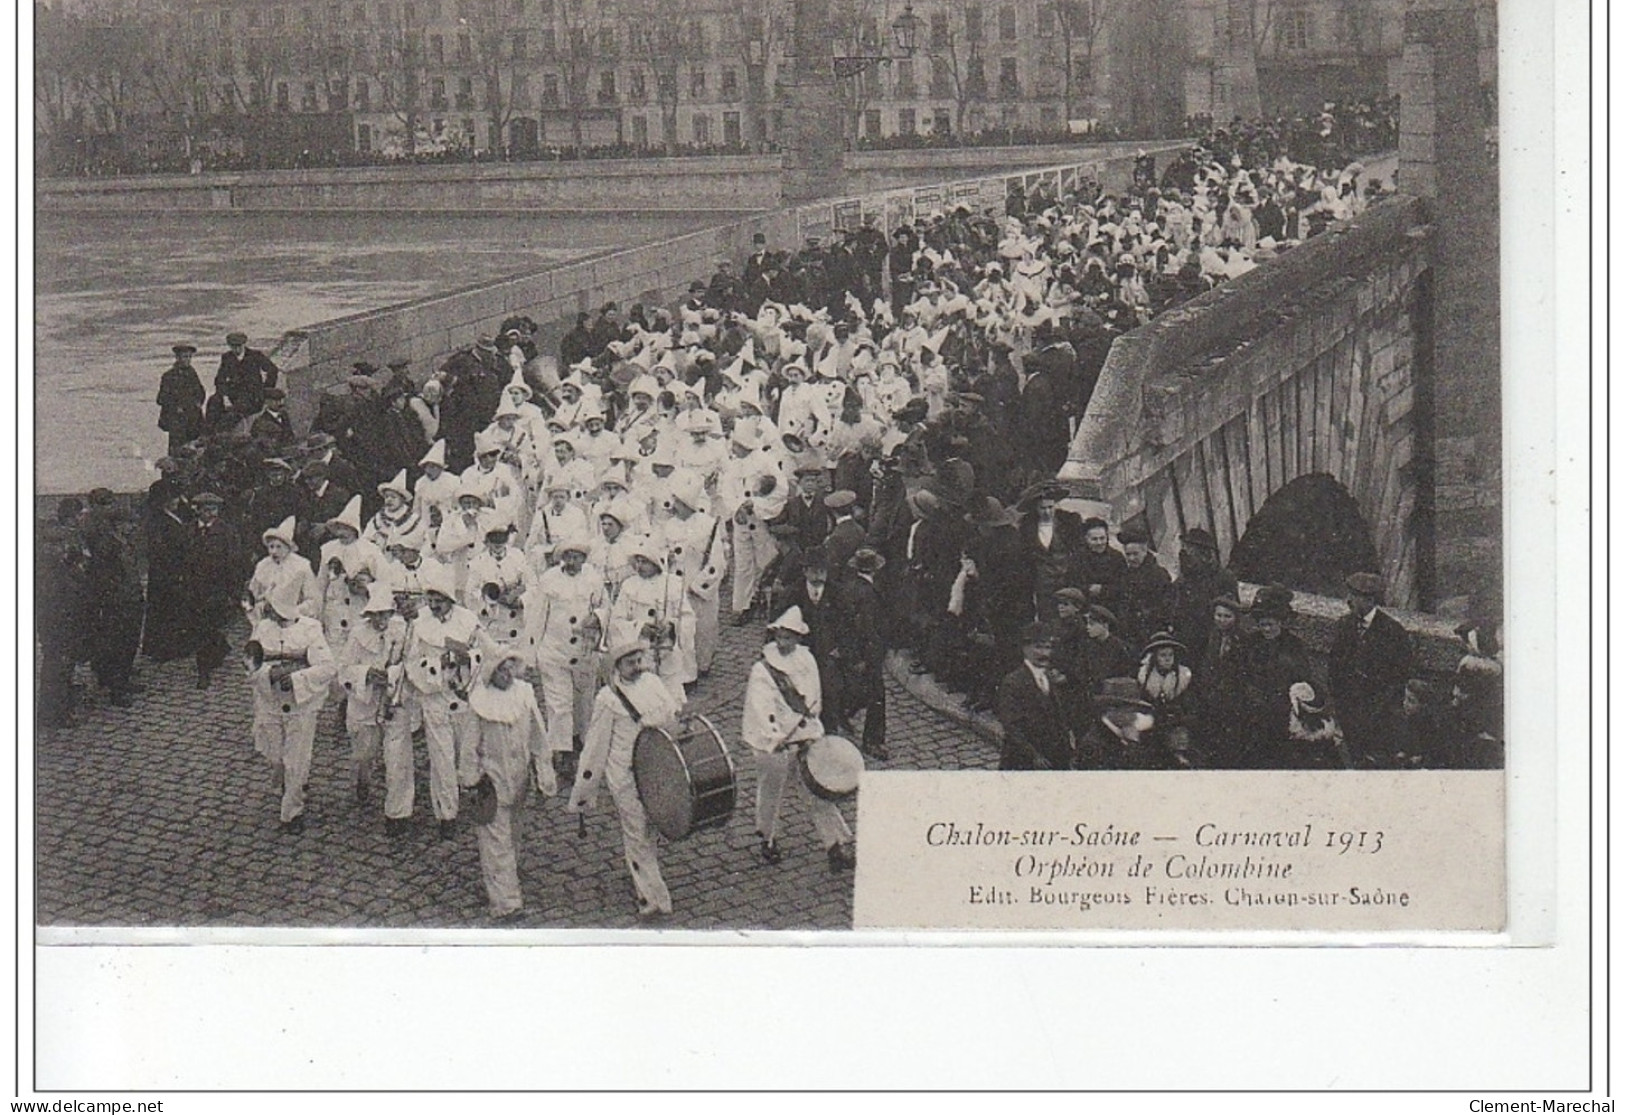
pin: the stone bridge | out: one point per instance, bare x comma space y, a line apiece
1307, 367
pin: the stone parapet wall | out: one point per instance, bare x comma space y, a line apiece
1306, 365
428, 330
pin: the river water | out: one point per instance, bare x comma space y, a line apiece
112, 294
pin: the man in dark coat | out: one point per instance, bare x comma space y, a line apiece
860, 649
1369, 664
1031, 708
244, 375
115, 597
1117, 734
1146, 598
59, 610
211, 575
272, 428
846, 534
1201, 581
802, 525
472, 394
1047, 399
180, 400
169, 630
576, 345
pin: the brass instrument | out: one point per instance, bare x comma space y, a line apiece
256, 656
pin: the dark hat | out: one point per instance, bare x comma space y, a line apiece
759, 238
497, 534
807, 469
1273, 601
1094, 521
815, 558
275, 393
914, 410
100, 497
1074, 596
365, 367
1366, 584
1037, 633
989, 512
697, 284
1103, 614
1226, 601
1134, 531
608, 307
1163, 639
399, 365
236, 338
1121, 693
209, 497
867, 560
1200, 538
183, 349
1043, 489
841, 499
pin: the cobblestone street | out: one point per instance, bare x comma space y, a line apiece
162, 814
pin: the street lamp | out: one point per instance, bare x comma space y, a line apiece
905, 29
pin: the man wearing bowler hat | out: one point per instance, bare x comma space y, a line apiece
244, 375
180, 399
1369, 664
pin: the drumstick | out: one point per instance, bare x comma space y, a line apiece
581, 826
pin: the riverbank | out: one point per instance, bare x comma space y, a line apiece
719, 184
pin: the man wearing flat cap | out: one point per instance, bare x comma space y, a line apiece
1369, 664
180, 399
244, 375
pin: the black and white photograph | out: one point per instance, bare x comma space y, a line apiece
640, 472
525, 462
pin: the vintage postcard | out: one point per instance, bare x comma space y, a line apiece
511, 465
816, 472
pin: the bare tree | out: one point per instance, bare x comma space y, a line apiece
959, 58
496, 33
1080, 23
762, 25
858, 31
399, 68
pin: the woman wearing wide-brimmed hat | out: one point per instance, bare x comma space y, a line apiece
1166, 684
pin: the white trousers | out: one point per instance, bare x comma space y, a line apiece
567, 695
638, 837
754, 551
452, 736
499, 859
772, 773
287, 740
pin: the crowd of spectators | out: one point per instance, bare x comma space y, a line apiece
870, 425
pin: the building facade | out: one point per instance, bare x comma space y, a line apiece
340, 79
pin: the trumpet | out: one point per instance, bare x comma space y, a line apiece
357, 584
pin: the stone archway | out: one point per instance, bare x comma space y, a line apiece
1309, 535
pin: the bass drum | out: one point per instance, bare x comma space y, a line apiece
686, 779
832, 767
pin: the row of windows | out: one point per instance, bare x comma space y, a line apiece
641, 131
440, 92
